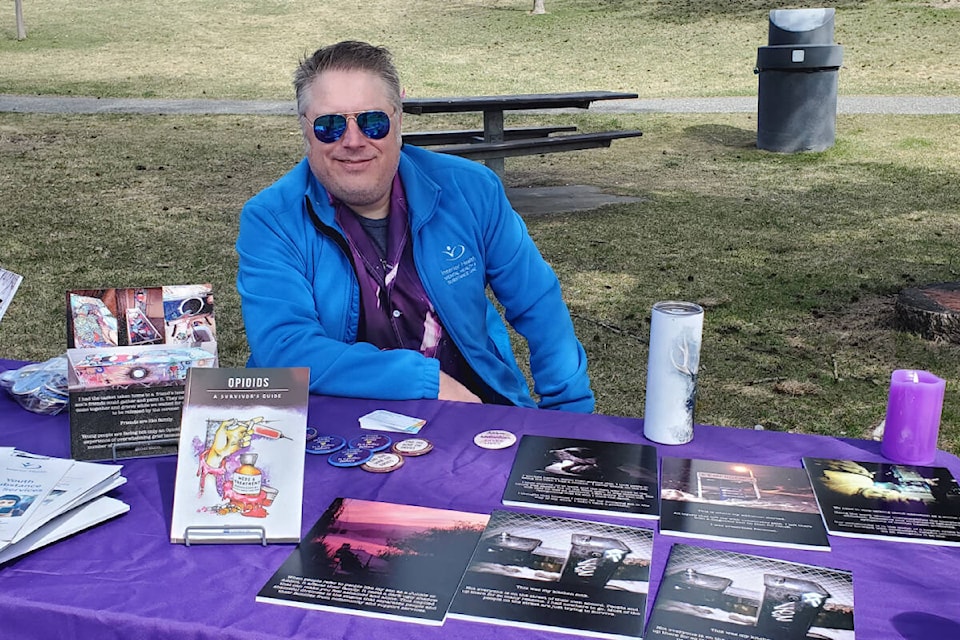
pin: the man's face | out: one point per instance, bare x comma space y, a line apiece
356, 169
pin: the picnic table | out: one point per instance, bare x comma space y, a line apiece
495, 142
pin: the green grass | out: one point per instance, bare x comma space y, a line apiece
657, 48
797, 258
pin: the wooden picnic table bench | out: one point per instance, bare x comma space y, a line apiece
457, 136
496, 145
527, 146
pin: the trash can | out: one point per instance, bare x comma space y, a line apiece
798, 72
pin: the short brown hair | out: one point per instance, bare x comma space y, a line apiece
349, 55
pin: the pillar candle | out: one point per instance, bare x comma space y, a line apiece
913, 417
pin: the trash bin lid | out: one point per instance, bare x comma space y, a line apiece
810, 57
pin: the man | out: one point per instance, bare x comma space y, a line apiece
369, 261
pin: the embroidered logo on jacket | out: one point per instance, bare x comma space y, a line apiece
454, 253
461, 266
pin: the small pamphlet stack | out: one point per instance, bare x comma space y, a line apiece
45, 499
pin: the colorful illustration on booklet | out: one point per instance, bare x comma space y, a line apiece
154, 365
12, 506
733, 483
175, 315
188, 315
379, 559
714, 595
240, 456
226, 455
373, 542
889, 501
753, 503
139, 337
901, 487
94, 323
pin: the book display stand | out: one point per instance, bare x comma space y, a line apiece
122, 450
212, 534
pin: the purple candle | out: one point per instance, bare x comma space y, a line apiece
913, 417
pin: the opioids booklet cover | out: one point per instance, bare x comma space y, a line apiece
572, 576
240, 457
378, 559
584, 476
710, 594
751, 503
128, 353
886, 500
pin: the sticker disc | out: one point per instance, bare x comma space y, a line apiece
412, 447
494, 439
350, 457
325, 444
371, 441
383, 463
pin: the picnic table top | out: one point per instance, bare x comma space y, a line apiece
576, 99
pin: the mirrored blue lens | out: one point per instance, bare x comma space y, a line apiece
331, 127
374, 124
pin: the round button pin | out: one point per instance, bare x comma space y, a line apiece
323, 444
350, 457
371, 441
412, 447
383, 463
494, 439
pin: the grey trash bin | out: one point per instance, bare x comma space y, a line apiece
798, 71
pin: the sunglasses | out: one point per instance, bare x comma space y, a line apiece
331, 127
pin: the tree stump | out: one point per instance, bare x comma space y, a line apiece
933, 311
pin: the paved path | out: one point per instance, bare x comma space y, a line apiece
845, 105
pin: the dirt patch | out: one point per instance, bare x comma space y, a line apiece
866, 316
796, 388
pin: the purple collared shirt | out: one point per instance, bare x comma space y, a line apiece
395, 310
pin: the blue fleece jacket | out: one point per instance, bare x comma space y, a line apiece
301, 300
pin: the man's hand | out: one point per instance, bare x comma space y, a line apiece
450, 389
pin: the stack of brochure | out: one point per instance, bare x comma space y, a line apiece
44, 499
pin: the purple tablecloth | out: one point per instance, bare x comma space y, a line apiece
123, 579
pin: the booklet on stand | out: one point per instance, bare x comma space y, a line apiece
886, 500
751, 503
710, 594
128, 353
584, 476
571, 576
378, 559
241, 455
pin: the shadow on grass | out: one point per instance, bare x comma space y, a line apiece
723, 135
